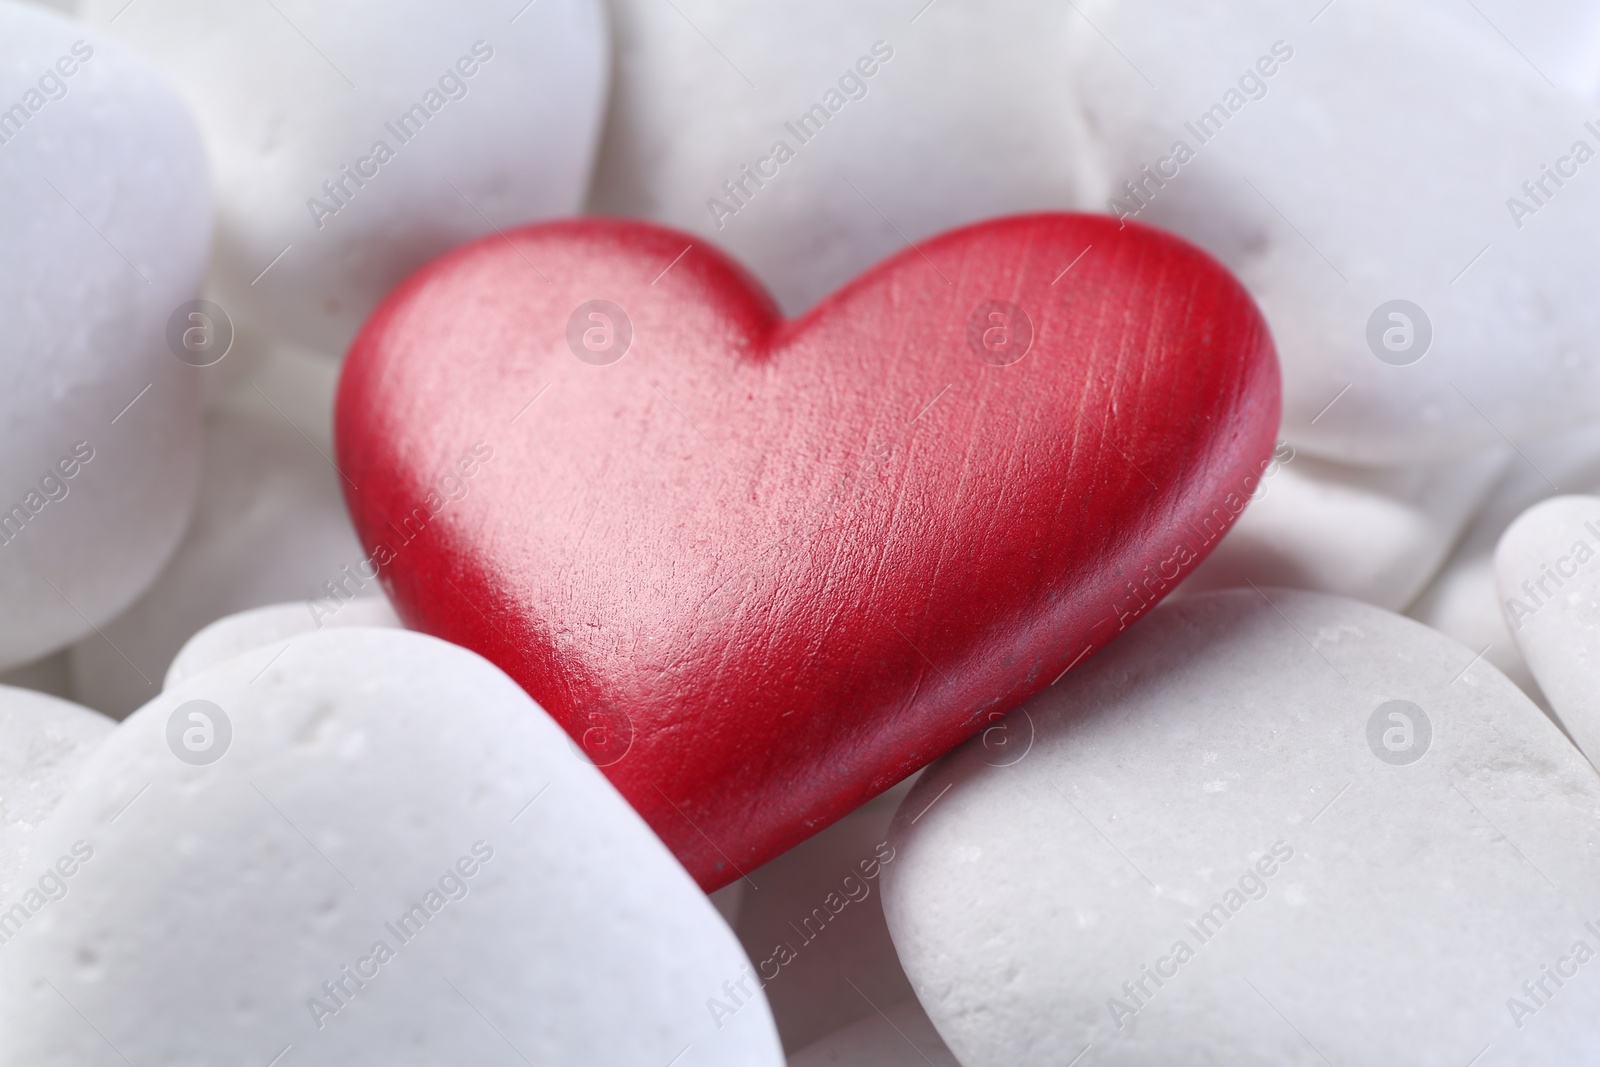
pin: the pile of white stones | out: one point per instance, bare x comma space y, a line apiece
1278, 822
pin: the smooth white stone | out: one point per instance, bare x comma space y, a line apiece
1462, 601
1370, 533
1547, 572
1340, 190
105, 207
276, 625
813, 927
43, 741
289, 93
902, 1036
270, 526
1406, 904
362, 765
971, 117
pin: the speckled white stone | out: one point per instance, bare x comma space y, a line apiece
902, 1036
276, 625
1370, 533
366, 768
105, 210
43, 741
971, 115
1375, 164
1222, 759
1547, 574
290, 93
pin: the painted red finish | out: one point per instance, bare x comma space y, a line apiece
764, 569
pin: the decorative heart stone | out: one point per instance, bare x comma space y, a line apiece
414, 860
1260, 832
766, 569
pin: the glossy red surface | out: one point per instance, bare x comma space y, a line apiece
764, 569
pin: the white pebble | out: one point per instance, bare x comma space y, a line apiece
895, 125
106, 210
376, 849
352, 142
1258, 833
1374, 155
276, 625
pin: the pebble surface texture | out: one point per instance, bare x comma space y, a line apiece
412, 858
43, 742
1260, 833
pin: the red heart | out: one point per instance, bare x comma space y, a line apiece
765, 569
